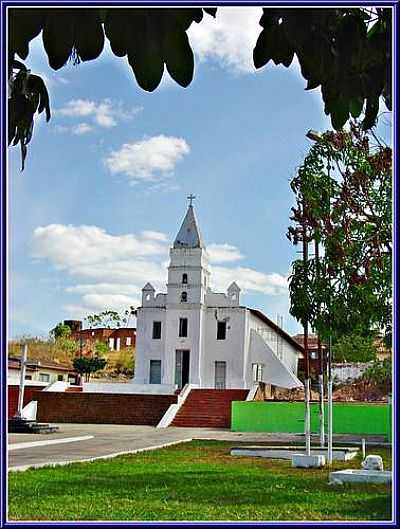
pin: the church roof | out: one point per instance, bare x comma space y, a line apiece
189, 234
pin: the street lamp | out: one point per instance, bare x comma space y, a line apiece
316, 136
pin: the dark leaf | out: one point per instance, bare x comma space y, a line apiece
210, 11
178, 57
89, 34
145, 50
58, 36
355, 106
371, 113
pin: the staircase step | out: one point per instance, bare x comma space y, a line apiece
208, 408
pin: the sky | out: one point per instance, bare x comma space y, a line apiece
103, 193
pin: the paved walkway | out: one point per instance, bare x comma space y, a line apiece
108, 440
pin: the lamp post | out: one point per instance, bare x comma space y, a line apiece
317, 136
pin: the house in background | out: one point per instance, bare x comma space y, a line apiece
38, 376
312, 350
116, 339
43, 371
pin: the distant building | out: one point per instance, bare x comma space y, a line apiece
43, 371
312, 350
116, 339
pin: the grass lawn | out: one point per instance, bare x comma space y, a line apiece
193, 481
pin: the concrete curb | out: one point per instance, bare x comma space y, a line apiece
33, 444
22, 468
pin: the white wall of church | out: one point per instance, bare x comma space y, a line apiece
148, 348
285, 351
229, 350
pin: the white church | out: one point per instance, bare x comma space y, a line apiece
192, 335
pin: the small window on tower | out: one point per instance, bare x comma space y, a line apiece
221, 330
184, 279
184, 297
156, 330
183, 327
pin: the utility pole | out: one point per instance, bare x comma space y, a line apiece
307, 421
320, 367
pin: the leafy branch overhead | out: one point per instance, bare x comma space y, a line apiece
347, 52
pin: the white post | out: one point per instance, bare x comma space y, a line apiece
321, 411
363, 448
307, 425
24, 356
330, 404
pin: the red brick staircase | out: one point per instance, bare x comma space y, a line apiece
208, 408
74, 389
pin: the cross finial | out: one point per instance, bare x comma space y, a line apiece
191, 197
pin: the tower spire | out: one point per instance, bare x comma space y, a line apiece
189, 234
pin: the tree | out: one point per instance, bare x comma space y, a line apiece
354, 348
346, 51
379, 374
61, 336
86, 365
60, 331
101, 348
110, 318
343, 201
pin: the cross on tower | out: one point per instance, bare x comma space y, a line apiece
191, 197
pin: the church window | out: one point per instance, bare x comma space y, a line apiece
257, 372
221, 330
183, 327
184, 279
156, 330
184, 297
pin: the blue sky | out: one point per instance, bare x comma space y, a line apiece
104, 189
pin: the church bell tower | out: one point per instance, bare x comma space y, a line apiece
188, 273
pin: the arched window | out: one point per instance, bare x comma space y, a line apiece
184, 279
184, 297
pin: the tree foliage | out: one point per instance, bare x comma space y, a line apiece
379, 373
87, 365
110, 318
343, 196
60, 331
354, 348
345, 51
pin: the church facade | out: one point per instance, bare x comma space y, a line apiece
192, 335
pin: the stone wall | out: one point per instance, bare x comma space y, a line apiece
102, 408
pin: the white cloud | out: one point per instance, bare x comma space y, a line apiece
229, 39
99, 302
248, 280
150, 160
105, 114
114, 268
73, 246
81, 128
223, 253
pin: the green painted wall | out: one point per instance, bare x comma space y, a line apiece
258, 416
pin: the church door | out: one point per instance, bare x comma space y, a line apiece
220, 375
182, 367
155, 371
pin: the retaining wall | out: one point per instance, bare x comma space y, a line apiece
288, 417
102, 408
13, 392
